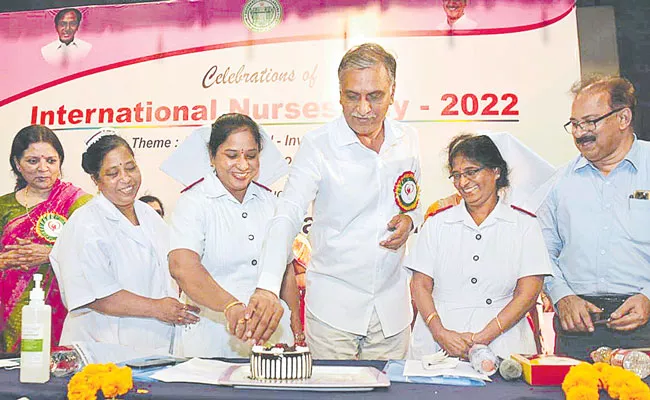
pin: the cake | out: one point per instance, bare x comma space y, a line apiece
281, 362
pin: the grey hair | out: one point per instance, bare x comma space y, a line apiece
367, 55
621, 91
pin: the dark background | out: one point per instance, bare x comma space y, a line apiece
632, 31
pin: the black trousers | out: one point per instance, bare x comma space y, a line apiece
579, 344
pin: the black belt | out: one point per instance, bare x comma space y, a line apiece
608, 302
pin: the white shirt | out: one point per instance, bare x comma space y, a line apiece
464, 22
99, 253
475, 271
228, 236
352, 189
57, 52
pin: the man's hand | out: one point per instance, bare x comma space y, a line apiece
262, 317
401, 226
633, 313
574, 314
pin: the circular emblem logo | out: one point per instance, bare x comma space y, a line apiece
407, 192
262, 15
49, 226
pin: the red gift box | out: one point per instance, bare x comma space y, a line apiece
544, 370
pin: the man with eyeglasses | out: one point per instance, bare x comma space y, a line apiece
66, 48
597, 227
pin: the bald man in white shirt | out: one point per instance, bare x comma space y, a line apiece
361, 172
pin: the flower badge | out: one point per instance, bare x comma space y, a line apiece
407, 192
49, 226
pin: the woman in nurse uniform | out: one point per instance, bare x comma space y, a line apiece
217, 232
478, 267
111, 259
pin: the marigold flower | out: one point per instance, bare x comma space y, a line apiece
584, 381
112, 380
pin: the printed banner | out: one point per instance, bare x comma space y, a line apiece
158, 71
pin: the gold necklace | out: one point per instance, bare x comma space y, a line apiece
27, 210
26, 198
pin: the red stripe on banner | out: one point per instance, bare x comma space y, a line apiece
478, 32
158, 56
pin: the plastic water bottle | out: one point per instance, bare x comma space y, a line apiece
483, 359
35, 337
632, 360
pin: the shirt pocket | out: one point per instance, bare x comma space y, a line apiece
639, 220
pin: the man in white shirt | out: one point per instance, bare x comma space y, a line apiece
361, 171
456, 18
66, 48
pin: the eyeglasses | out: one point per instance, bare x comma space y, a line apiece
469, 174
588, 125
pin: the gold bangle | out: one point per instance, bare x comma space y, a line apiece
499, 324
231, 305
472, 338
430, 317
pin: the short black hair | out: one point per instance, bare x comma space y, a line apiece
147, 198
227, 124
93, 157
63, 12
25, 137
480, 149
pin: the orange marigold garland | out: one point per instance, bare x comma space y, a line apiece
111, 379
585, 380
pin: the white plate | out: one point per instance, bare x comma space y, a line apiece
323, 378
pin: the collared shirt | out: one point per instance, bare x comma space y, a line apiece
475, 270
227, 235
597, 236
352, 189
99, 253
464, 22
58, 52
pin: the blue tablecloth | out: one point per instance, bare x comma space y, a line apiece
11, 388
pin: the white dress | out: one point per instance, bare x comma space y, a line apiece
475, 270
99, 253
228, 237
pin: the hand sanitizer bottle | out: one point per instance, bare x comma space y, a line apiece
35, 337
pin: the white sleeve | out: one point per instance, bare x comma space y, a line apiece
534, 259
299, 191
423, 255
188, 225
82, 264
